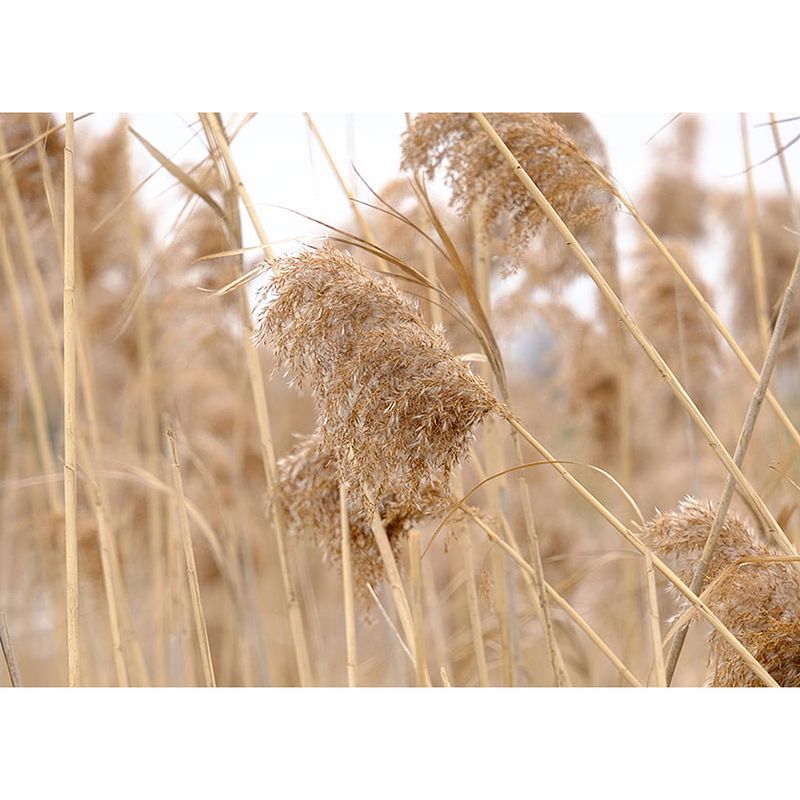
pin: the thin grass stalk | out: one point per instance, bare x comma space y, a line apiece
787, 180
474, 610
120, 616
633, 539
348, 191
38, 408
706, 307
150, 441
395, 581
417, 610
691, 431
191, 568
70, 413
654, 619
756, 253
8, 653
534, 582
14, 204
492, 456
570, 611
716, 444
347, 590
742, 444
434, 616
116, 598
218, 138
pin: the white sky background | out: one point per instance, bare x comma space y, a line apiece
282, 165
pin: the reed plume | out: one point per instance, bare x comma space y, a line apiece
675, 323
757, 599
779, 250
395, 407
474, 169
673, 203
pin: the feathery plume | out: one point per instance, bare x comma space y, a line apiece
474, 169
673, 202
758, 602
395, 407
676, 325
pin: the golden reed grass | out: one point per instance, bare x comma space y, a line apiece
382, 333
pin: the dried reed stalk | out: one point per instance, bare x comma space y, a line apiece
117, 602
218, 140
38, 407
555, 596
719, 449
707, 309
70, 412
476, 627
742, 444
8, 653
191, 568
754, 591
347, 590
417, 611
787, 180
14, 204
348, 191
634, 540
756, 253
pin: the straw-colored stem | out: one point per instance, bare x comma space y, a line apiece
663, 368
8, 653
434, 616
191, 568
571, 612
534, 582
395, 581
38, 409
14, 205
705, 306
742, 444
150, 440
502, 586
474, 610
347, 588
70, 413
787, 180
633, 539
417, 611
756, 252
654, 619
348, 191
218, 138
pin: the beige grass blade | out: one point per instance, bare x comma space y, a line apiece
70, 413
191, 569
716, 444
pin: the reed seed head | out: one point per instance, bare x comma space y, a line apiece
759, 602
475, 170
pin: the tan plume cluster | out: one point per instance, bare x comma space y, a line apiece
591, 379
673, 202
779, 248
674, 321
18, 132
395, 407
308, 481
475, 170
758, 601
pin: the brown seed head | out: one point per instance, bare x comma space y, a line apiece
475, 170
758, 602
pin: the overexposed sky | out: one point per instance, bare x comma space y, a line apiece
282, 165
